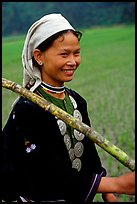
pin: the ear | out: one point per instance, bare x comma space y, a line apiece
38, 56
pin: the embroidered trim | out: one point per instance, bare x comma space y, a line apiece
91, 187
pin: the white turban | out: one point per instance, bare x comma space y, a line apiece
39, 32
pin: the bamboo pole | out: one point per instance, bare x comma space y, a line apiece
117, 153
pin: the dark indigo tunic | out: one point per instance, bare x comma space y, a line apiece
45, 173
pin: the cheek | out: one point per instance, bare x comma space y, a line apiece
49, 62
78, 61
59, 62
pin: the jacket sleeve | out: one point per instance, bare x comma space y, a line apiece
12, 152
9, 188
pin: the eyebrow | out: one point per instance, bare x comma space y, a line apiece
78, 49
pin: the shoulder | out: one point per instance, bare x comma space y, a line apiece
24, 103
26, 108
81, 105
81, 101
76, 95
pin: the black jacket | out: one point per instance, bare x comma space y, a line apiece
45, 173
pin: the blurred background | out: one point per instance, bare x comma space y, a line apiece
106, 76
18, 16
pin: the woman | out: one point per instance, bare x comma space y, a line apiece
44, 158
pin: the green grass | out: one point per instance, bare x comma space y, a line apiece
105, 78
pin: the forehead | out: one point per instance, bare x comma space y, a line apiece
67, 39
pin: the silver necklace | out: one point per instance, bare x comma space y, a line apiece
77, 151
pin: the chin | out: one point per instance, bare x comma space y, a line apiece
67, 80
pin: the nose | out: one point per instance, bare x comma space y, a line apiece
71, 61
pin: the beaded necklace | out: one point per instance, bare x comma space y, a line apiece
52, 89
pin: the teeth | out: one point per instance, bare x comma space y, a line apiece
68, 70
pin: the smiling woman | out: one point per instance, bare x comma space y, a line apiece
38, 149
59, 61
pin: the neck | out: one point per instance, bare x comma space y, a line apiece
57, 92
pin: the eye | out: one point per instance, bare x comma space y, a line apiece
77, 53
64, 54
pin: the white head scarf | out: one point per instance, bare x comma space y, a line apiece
40, 31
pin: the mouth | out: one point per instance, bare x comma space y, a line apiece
68, 72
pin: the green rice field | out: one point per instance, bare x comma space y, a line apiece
105, 78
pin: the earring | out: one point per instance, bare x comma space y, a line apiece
40, 63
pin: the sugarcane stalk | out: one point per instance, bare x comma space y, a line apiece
106, 145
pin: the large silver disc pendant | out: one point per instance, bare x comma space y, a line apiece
71, 154
62, 126
73, 101
78, 149
67, 141
76, 164
77, 115
78, 135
